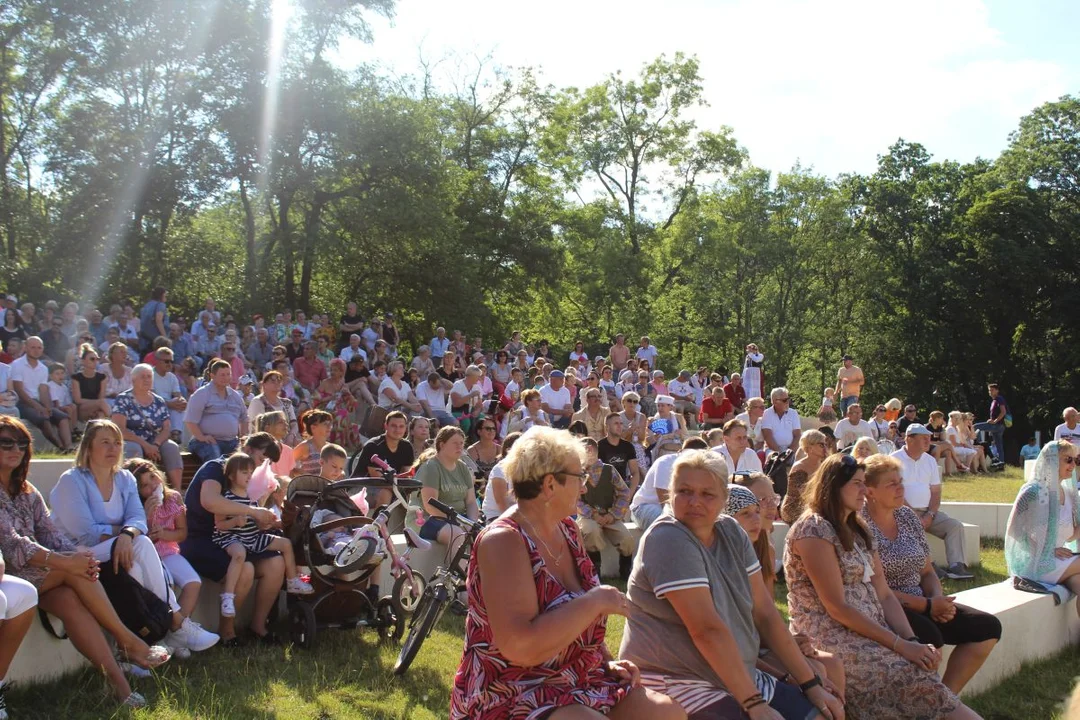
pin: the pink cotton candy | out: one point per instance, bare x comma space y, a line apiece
360, 499
262, 481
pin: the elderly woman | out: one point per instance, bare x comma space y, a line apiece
863, 448
271, 400
905, 556
205, 498
1045, 519
838, 597
143, 419
537, 613
395, 393
666, 430
65, 577
814, 449
755, 411
98, 505
698, 603
529, 414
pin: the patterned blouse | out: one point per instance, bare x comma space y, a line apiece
144, 421
25, 528
905, 557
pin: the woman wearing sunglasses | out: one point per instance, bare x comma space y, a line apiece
839, 598
1044, 519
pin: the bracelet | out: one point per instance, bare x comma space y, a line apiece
810, 684
751, 706
929, 606
752, 701
48, 554
896, 639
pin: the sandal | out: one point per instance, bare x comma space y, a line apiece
134, 700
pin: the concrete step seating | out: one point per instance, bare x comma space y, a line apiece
1033, 626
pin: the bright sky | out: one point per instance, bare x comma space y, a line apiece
828, 83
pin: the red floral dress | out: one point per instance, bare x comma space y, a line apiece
487, 686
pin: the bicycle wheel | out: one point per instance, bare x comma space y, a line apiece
409, 601
428, 610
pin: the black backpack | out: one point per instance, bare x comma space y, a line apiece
141, 611
776, 467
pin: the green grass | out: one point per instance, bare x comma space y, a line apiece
348, 677
999, 487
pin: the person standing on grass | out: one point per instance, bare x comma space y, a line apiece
995, 426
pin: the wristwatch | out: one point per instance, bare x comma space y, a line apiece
130, 532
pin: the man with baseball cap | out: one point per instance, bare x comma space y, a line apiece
849, 383
685, 398
922, 492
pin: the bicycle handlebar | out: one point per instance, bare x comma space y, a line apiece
453, 516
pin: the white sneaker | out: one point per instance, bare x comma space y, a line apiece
296, 586
191, 635
130, 669
228, 605
181, 653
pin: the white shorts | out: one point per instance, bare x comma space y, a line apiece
180, 571
1054, 576
16, 597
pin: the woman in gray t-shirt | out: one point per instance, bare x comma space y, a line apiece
698, 601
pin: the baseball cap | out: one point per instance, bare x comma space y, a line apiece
246, 379
557, 373
916, 429
846, 357
597, 359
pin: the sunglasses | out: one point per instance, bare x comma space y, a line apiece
9, 444
489, 428
783, 399
1069, 459
630, 402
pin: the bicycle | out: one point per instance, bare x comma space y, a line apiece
408, 583
442, 589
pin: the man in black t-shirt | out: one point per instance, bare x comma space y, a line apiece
392, 447
906, 419
619, 453
351, 322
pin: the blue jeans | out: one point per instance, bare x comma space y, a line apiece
996, 431
846, 402
212, 451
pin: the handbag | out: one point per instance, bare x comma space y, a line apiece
141, 611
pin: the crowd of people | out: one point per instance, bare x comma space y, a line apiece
565, 456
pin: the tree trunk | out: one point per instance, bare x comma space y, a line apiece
311, 235
250, 261
285, 230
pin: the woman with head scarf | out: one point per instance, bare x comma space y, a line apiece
1044, 519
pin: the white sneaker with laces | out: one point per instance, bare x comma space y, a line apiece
228, 605
296, 586
191, 635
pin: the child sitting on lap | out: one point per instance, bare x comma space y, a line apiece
238, 535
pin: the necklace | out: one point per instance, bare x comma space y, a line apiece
554, 559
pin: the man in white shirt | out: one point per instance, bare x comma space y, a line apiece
1070, 429
167, 387
555, 400
683, 392
28, 376
736, 448
353, 349
780, 425
432, 396
647, 351
851, 428
652, 496
922, 492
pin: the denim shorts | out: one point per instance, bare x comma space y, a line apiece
431, 527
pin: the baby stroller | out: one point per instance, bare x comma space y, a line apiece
321, 519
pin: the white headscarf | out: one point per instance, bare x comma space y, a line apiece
1031, 535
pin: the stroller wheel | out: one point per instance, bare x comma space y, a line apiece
302, 625
408, 600
356, 554
390, 621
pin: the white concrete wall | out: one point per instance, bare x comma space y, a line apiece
991, 518
44, 474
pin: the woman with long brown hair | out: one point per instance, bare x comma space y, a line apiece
838, 597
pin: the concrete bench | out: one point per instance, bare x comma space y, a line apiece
992, 518
1032, 628
41, 657
44, 474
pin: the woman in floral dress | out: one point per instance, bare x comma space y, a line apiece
334, 397
838, 597
534, 635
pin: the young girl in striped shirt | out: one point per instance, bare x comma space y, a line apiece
238, 535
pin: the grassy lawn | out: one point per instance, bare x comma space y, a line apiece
348, 677
999, 487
